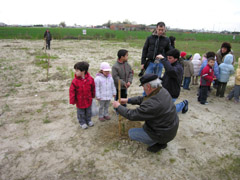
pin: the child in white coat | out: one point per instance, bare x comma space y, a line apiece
105, 90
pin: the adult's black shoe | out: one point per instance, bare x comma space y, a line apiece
185, 108
156, 147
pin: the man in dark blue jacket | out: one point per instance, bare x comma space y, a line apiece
172, 77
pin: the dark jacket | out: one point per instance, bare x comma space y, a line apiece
122, 71
159, 114
172, 77
149, 47
47, 36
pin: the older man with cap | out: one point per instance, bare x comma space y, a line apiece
156, 109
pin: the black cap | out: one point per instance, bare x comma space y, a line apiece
147, 78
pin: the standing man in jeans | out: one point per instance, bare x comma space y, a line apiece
155, 44
156, 109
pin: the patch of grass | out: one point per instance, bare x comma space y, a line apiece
46, 120
18, 85
6, 108
46, 56
172, 160
42, 63
20, 121
226, 167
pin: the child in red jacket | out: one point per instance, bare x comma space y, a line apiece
207, 76
81, 92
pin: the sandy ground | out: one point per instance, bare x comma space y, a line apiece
41, 139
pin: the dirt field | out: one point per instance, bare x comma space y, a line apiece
41, 138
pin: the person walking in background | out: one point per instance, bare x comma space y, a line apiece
223, 51
225, 70
154, 45
207, 76
47, 38
188, 72
196, 68
123, 71
105, 90
81, 93
172, 41
236, 90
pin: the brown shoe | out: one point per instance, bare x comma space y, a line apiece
101, 119
107, 117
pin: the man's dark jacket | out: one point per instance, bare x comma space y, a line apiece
172, 77
163, 44
159, 114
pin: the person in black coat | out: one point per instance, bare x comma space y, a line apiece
172, 77
154, 45
48, 38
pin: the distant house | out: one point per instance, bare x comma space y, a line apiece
2, 24
127, 27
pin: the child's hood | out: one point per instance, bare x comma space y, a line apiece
196, 56
102, 75
228, 59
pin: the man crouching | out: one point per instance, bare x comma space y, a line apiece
156, 109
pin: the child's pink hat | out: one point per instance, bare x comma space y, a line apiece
105, 66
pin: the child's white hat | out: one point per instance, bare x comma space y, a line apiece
105, 66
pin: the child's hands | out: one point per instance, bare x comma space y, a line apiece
124, 100
128, 85
116, 104
159, 56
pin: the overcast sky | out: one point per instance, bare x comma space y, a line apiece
187, 14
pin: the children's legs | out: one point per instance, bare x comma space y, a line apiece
81, 116
123, 95
231, 94
219, 88
203, 94
196, 78
188, 82
193, 80
106, 106
184, 83
88, 114
101, 108
223, 89
236, 92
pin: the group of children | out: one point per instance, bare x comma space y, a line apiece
104, 87
209, 71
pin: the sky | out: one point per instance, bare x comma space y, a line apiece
217, 15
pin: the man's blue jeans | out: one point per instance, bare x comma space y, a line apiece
138, 134
179, 106
154, 68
